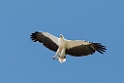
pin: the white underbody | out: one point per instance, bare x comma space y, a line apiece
60, 54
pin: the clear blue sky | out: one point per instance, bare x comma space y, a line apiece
23, 61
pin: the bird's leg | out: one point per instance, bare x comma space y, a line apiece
57, 53
62, 54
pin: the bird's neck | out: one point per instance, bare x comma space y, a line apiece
62, 38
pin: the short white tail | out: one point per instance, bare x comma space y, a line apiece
61, 60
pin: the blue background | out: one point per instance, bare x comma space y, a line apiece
22, 61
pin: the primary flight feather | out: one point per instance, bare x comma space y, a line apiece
63, 46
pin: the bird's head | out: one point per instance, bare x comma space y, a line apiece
61, 35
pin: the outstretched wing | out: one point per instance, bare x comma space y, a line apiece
83, 48
48, 40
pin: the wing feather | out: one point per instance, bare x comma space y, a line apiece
48, 40
83, 48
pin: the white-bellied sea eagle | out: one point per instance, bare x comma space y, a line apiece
63, 46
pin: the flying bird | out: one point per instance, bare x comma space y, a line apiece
63, 46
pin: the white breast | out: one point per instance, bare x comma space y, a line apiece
62, 43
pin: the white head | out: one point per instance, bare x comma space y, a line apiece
61, 35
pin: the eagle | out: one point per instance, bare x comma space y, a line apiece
63, 47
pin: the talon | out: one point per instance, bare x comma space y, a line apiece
53, 57
57, 58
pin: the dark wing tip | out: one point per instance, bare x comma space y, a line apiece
99, 47
33, 36
46, 41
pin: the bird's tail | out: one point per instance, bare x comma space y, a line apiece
61, 59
